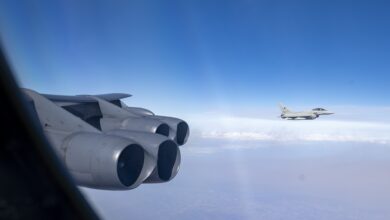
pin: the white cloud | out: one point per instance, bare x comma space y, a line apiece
233, 128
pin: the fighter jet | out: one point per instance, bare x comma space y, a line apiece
108, 145
303, 115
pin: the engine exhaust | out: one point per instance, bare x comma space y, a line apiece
162, 149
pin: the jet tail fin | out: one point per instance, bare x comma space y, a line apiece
283, 108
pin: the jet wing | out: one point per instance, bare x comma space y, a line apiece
86, 98
34, 184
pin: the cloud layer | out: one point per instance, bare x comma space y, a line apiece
236, 128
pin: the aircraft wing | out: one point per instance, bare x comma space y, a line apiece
34, 183
86, 98
128, 148
107, 146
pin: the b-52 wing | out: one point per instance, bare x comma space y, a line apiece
108, 145
34, 184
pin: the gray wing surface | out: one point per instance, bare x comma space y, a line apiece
86, 98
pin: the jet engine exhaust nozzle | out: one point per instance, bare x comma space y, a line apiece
106, 162
180, 129
164, 151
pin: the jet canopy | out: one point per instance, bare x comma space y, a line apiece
319, 109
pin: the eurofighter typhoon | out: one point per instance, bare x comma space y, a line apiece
305, 115
107, 145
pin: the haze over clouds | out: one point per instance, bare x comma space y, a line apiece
340, 181
361, 126
237, 167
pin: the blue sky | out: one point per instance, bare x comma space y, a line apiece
204, 53
223, 66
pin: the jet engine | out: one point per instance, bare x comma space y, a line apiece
135, 124
162, 149
138, 111
179, 129
105, 161
107, 145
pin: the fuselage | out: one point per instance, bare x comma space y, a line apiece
299, 115
304, 115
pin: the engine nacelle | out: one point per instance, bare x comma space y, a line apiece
139, 111
163, 150
179, 128
106, 162
142, 124
155, 177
